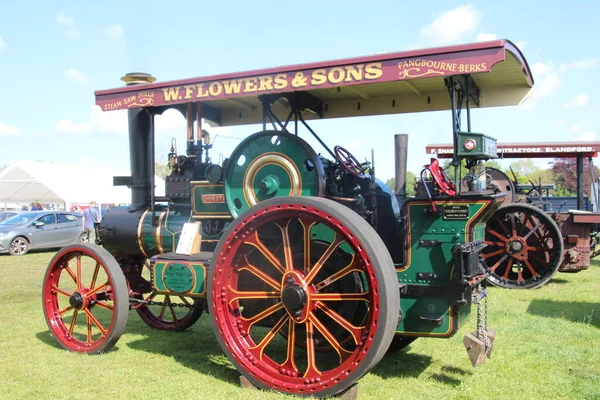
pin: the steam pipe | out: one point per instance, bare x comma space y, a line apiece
140, 147
401, 154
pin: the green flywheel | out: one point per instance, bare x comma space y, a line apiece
271, 164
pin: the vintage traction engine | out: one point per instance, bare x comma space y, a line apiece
310, 268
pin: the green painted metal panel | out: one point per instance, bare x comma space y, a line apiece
413, 309
208, 200
180, 277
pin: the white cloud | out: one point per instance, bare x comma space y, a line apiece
7, 130
62, 19
581, 64
2, 44
451, 26
114, 32
521, 44
580, 100
76, 76
484, 37
72, 34
548, 84
171, 124
540, 68
576, 128
587, 136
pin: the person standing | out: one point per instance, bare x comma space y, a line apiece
91, 216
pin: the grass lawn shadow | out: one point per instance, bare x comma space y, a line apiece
402, 364
196, 348
47, 338
558, 281
577, 311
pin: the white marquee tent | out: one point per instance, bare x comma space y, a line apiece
29, 181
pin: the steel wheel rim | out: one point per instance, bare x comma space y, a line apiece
80, 300
524, 247
253, 353
18, 246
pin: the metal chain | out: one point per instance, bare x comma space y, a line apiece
482, 317
160, 303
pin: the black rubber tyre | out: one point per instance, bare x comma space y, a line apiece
233, 329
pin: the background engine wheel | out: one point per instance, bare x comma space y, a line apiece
85, 298
524, 247
279, 311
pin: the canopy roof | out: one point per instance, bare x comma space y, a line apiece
27, 181
389, 83
529, 150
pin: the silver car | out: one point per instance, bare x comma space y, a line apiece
40, 230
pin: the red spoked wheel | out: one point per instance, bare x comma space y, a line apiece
85, 298
165, 312
524, 247
289, 311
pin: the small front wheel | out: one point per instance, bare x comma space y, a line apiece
85, 298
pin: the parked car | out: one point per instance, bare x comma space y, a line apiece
7, 214
40, 230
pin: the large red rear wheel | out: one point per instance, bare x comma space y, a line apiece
85, 298
288, 311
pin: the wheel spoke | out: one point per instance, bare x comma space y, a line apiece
364, 296
63, 292
71, 274
95, 276
248, 322
253, 240
290, 364
184, 300
269, 337
496, 244
287, 247
355, 331
353, 266
493, 267
530, 268
95, 321
260, 274
78, 280
311, 369
492, 254
73, 322
538, 226
524, 226
509, 268
343, 353
98, 289
89, 328
337, 241
306, 239
234, 295
65, 310
504, 228
104, 305
499, 236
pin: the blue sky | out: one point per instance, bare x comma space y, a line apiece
53, 55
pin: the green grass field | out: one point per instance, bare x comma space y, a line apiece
547, 347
